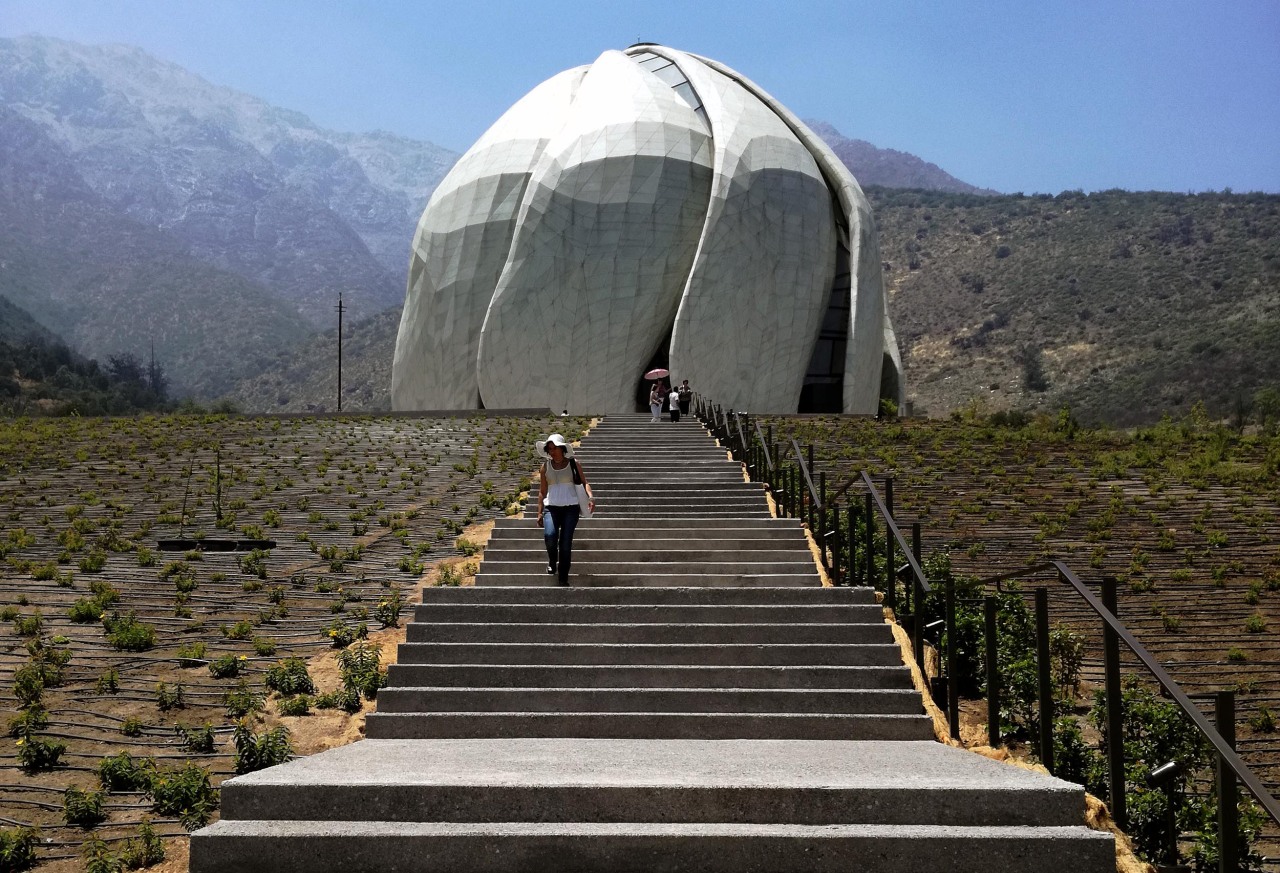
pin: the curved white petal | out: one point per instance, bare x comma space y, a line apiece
864, 351
604, 241
461, 246
754, 302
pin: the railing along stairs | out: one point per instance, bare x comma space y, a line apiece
851, 538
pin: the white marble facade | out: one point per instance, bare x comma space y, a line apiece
653, 196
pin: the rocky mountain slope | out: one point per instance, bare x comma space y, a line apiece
888, 168
247, 187
108, 284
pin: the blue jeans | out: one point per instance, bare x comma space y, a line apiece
558, 524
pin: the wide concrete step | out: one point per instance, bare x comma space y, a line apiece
660, 580
675, 654
634, 613
660, 524
592, 564
648, 725
638, 676
514, 847
859, 701
677, 552
593, 530
546, 632
815, 783
697, 595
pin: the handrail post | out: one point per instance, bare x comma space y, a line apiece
1045, 674
1115, 708
837, 546
953, 685
1224, 715
993, 672
890, 584
822, 520
911, 592
868, 549
851, 513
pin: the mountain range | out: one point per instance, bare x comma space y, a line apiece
142, 207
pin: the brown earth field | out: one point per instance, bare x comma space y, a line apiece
110, 645
1185, 514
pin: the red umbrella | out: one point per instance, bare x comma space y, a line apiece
657, 373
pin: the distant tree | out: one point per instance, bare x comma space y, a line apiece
1266, 407
126, 368
1033, 376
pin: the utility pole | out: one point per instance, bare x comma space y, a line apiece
339, 351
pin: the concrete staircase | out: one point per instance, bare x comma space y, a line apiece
693, 701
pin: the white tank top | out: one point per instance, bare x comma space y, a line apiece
560, 490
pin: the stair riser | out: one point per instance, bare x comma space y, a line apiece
883, 655
660, 580
682, 726
321, 852
628, 676
592, 614
673, 804
692, 596
756, 634
592, 565
769, 524
645, 700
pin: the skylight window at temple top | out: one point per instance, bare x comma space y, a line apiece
667, 70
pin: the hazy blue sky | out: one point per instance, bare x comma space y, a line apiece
1016, 95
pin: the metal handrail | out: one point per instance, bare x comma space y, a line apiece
808, 480
916, 569
1219, 743
768, 453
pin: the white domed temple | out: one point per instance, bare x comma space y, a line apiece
655, 208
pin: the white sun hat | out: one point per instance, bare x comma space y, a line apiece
556, 440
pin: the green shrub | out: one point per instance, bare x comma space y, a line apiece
170, 696
344, 699
254, 563
242, 700
108, 682
184, 793
45, 572
264, 646
28, 625
191, 654
82, 808
361, 669
123, 772
93, 562
300, 705
258, 751
387, 612
196, 739
36, 754
131, 727
226, 666
18, 849
1256, 623
128, 634
241, 630
144, 850
290, 676
28, 722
